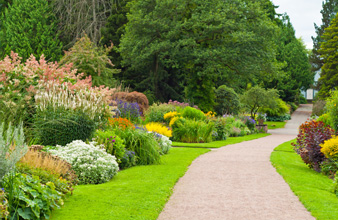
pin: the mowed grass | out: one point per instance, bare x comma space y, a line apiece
218, 144
275, 124
314, 190
135, 193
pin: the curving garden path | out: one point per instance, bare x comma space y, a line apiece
238, 182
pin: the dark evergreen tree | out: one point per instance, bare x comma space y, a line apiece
28, 28
329, 10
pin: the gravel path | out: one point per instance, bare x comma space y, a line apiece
238, 182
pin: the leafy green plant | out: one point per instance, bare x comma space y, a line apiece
221, 131
281, 109
143, 144
113, 144
156, 112
3, 204
192, 131
30, 199
193, 113
62, 127
279, 118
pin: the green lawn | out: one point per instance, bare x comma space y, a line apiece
218, 144
135, 193
313, 189
275, 124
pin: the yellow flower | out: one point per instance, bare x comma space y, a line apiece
330, 148
168, 116
158, 128
210, 114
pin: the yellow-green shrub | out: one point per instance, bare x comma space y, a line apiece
330, 148
170, 115
158, 128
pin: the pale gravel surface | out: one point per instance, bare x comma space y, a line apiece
238, 182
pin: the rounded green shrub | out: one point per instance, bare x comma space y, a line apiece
281, 109
192, 113
156, 112
227, 101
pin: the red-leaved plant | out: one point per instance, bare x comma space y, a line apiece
311, 135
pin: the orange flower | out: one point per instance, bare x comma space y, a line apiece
121, 123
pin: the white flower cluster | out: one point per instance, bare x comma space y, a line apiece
90, 162
165, 144
163, 141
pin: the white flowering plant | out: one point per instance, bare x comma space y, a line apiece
91, 163
163, 141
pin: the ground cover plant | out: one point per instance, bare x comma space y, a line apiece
313, 189
218, 144
136, 193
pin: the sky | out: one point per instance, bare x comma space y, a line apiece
303, 14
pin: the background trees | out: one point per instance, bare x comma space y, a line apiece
170, 49
28, 28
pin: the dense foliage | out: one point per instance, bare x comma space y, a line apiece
311, 135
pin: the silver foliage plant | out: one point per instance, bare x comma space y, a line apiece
12, 147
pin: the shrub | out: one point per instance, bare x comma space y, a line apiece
318, 107
325, 119
91, 163
120, 123
62, 127
143, 144
128, 110
112, 143
311, 135
330, 148
332, 109
128, 160
236, 127
132, 97
293, 107
192, 131
279, 118
227, 101
156, 112
192, 113
221, 131
280, 110
329, 167
12, 147
158, 128
44, 161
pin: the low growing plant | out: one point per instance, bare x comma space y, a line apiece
163, 141
91, 162
29, 198
3, 205
120, 123
156, 112
128, 110
129, 159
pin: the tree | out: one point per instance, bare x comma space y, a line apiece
78, 17
227, 101
91, 60
295, 74
197, 43
257, 97
329, 10
28, 28
329, 52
